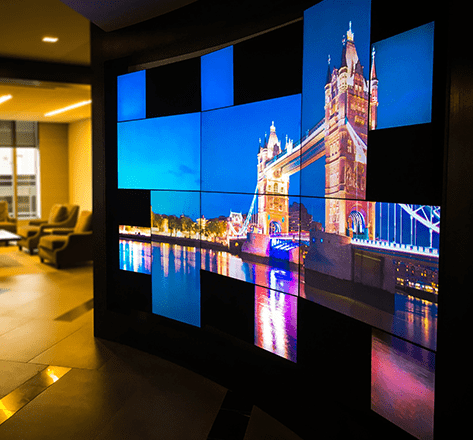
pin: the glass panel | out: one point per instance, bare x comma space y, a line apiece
6, 131
27, 181
25, 133
6, 176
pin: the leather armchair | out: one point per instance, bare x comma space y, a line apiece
66, 246
61, 216
6, 222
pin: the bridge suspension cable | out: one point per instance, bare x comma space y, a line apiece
245, 225
429, 216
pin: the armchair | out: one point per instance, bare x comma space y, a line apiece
6, 222
61, 216
67, 246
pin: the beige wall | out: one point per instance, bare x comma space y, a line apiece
54, 164
80, 163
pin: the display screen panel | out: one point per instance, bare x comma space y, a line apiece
217, 79
160, 153
135, 248
383, 256
335, 99
402, 78
131, 96
247, 147
176, 255
276, 322
403, 384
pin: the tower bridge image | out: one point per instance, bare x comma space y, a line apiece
340, 138
351, 238
331, 242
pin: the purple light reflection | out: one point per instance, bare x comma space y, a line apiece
224, 263
276, 322
402, 384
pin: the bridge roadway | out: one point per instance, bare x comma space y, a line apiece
404, 253
311, 148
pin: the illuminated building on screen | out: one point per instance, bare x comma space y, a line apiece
273, 187
346, 135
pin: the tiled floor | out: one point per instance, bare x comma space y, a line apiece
107, 391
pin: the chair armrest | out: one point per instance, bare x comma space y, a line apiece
37, 222
60, 231
51, 227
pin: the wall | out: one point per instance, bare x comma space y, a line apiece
80, 163
54, 164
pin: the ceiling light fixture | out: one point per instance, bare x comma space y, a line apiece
5, 98
50, 39
70, 107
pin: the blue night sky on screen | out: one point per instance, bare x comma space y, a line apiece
131, 96
217, 79
230, 142
217, 204
404, 67
324, 26
316, 208
160, 153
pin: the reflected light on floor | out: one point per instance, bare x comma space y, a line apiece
32, 388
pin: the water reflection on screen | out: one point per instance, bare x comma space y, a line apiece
176, 282
135, 256
276, 322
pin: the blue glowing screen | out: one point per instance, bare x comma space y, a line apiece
131, 96
217, 79
160, 153
404, 70
175, 273
232, 137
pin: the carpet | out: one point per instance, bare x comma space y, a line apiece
15, 262
7, 261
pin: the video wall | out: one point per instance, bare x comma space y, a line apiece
255, 157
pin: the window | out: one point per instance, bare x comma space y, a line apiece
19, 168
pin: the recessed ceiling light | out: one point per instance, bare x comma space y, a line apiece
5, 98
70, 107
50, 39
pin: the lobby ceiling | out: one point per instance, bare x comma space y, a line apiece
26, 22
31, 100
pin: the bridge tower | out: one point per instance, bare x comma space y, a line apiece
346, 135
273, 188
373, 94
